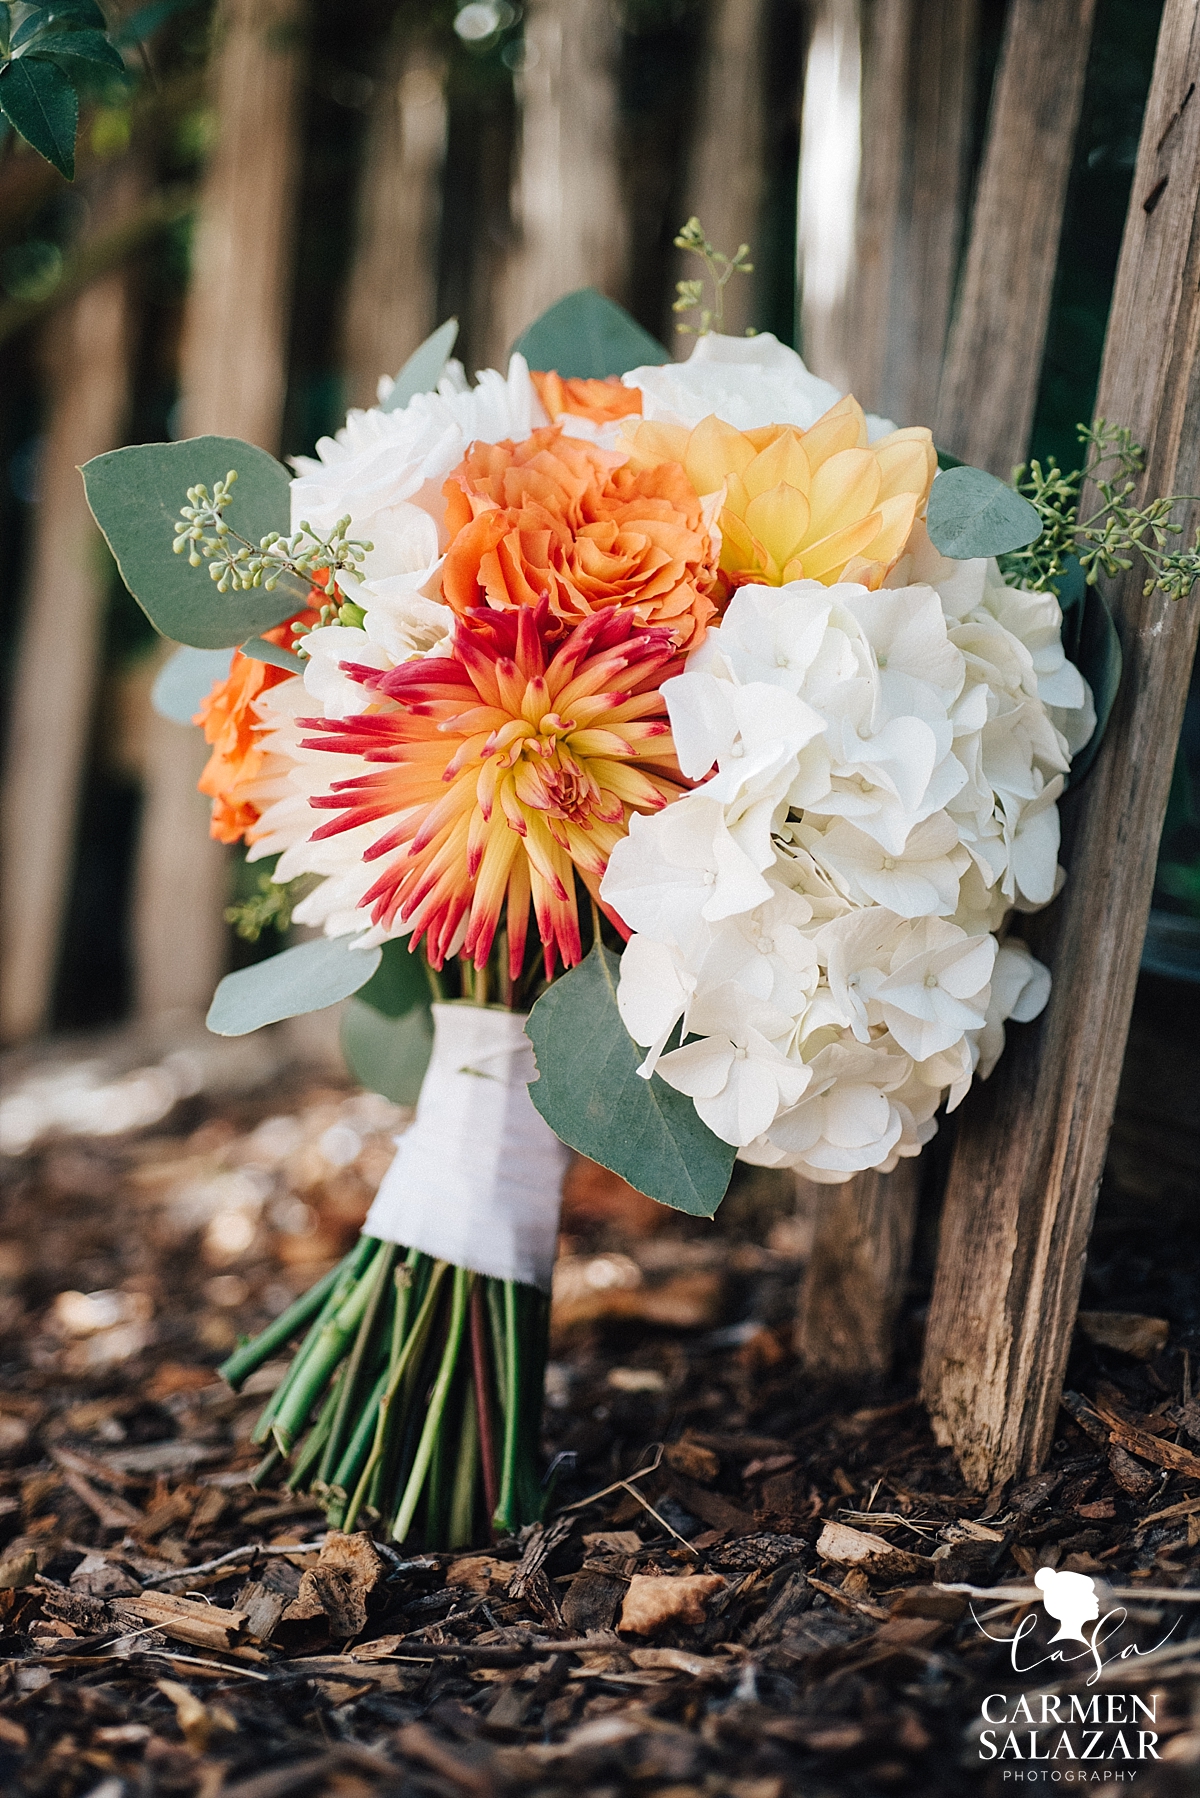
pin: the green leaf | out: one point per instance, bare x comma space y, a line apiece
79, 46
423, 370
307, 978
586, 336
590, 1093
38, 99
1098, 657
184, 681
971, 514
259, 650
400, 983
136, 494
69, 15
387, 1055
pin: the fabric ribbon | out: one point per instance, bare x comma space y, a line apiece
477, 1178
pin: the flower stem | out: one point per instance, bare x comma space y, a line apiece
437, 1405
317, 1365
251, 1355
505, 1513
460, 1527
391, 1418
481, 1388
362, 1355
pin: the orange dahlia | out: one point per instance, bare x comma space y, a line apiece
560, 520
231, 726
601, 401
509, 765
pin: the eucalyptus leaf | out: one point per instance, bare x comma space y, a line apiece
259, 650
590, 1093
971, 514
37, 98
183, 682
587, 336
1098, 657
306, 978
423, 370
400, 983
136, 495
387, 1055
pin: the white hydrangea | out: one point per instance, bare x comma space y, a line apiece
819, 924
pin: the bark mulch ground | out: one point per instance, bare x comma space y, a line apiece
738, 1585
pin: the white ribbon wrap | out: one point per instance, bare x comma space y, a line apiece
477, 1179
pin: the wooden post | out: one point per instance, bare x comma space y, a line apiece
989, 386
883, 335
918, 60
943, 51
568, 207
855, 1281
1031, 1144
87, 349
724, 183
392, 296
232, 381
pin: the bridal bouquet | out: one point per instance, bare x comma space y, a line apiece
669, 723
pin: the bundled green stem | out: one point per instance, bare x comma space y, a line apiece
413, 1400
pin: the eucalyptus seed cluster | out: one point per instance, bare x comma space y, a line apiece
1107, 540
718, 268
205, 535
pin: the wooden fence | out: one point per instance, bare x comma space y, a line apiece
927, 292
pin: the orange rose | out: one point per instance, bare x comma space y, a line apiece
237, 762
558, 519
601, 401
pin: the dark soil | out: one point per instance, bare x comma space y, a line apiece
132, 1263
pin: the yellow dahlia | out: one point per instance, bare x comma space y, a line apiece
822, 504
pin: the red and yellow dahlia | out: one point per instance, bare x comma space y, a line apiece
557, 519
508, 764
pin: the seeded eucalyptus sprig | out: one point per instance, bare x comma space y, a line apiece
1105, 542
269, 907
719, 269
236, 562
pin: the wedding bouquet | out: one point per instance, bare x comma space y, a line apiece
694, 667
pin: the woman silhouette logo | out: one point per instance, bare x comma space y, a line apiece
1070, 1598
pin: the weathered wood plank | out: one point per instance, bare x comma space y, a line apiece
884, 334
941, 101
568, 207
87, 347
1032, 1142
391, 299
232, 380
989, 385
724, 184
855, 1281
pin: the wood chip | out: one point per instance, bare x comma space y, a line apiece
654, 1601
861, 1548
1148, 1447
1128, 1331
186, 1619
